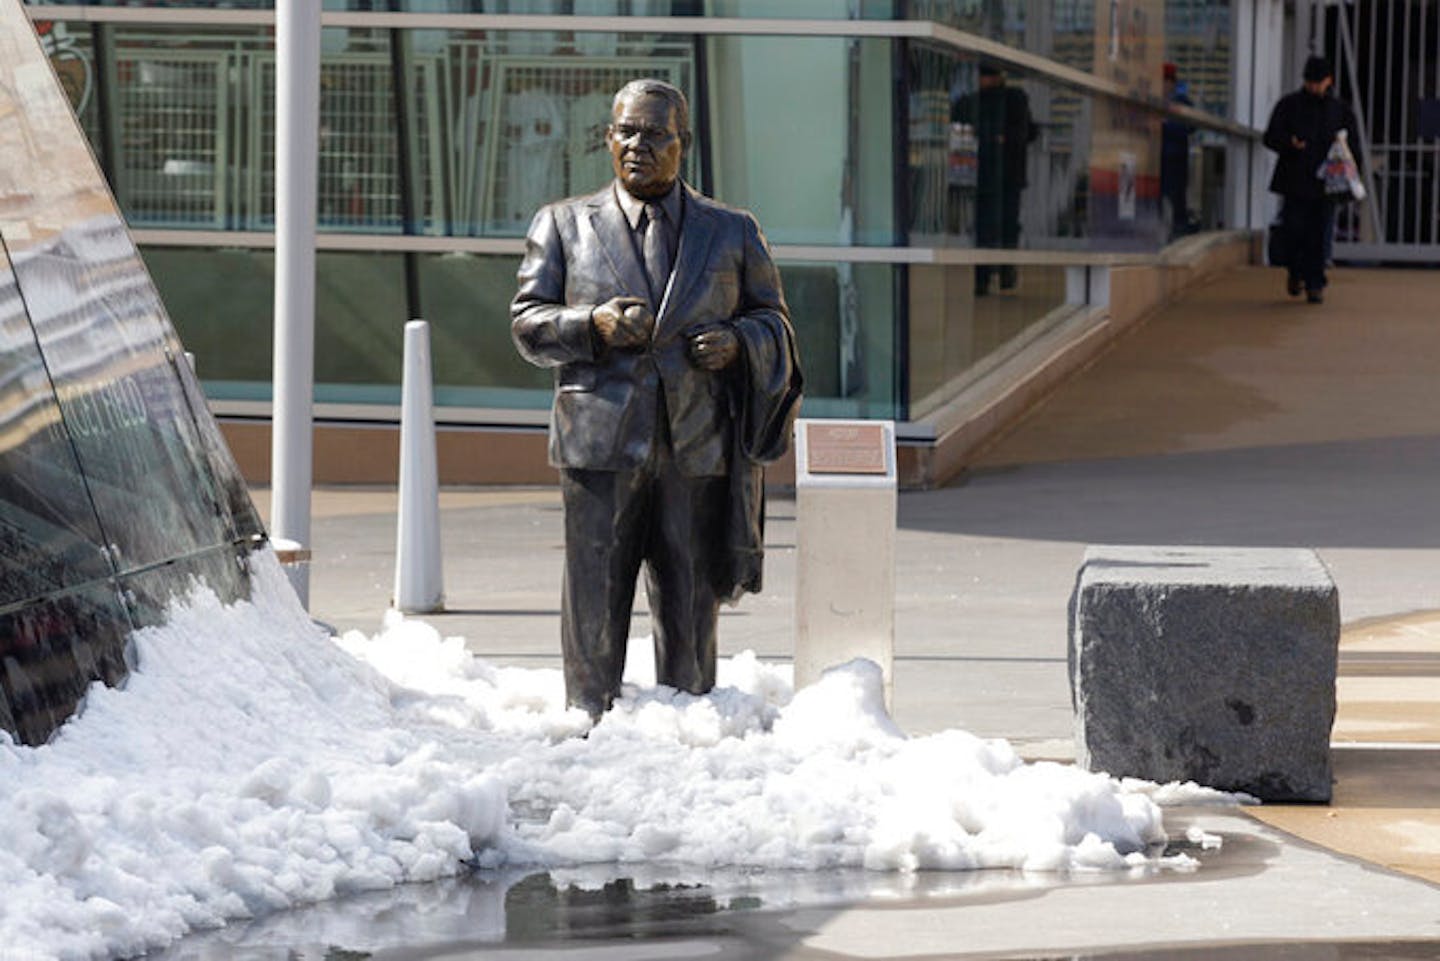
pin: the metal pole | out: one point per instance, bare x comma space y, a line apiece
297, 148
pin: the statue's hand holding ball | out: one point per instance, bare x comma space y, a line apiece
624, 322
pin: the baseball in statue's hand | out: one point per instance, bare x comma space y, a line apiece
640, 321
623, 322
714, 347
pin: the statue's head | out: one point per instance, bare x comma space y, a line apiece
648, 135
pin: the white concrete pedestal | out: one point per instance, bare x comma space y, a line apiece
845, 500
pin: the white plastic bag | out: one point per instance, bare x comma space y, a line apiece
1340, 172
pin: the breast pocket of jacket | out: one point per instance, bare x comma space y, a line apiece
575, 378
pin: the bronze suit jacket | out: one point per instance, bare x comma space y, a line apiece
579, 254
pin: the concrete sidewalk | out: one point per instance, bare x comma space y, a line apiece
1236, 417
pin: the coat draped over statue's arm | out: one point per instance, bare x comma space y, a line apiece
765, 400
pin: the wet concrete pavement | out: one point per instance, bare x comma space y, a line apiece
1236, 417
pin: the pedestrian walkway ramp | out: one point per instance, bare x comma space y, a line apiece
1237, 364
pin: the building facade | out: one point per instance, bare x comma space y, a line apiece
918, 256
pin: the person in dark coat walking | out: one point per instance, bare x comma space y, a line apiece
1302, 127
1004, 130
676, 378
1175, 154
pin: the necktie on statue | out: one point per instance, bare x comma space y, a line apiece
656, 248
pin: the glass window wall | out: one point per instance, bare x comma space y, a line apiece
802, 134
848, 330
1108, 38
193, 141
1198, 38
957, 332
495, 123
490, 124
504, 123
466, 299
809, 9
360, 314
844, 316
1001, 159
507, 121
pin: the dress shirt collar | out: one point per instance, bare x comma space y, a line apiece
634, 206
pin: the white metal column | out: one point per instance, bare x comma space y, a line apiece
297, 122
1256, 83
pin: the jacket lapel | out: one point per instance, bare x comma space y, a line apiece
696, 233
616, 247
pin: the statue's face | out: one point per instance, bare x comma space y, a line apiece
645, 145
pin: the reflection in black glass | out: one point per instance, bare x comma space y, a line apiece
51, 651
49, 538
110, 357
221, 569
113, 479
242, 520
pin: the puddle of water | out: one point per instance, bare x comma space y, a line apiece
674, 910
646, 912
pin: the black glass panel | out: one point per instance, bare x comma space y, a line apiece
51, 651
102, 331
106, 346
243, 519
148, 593
49, 538
116, 483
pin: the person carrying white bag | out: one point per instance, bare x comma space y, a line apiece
1302, 131
1340, 172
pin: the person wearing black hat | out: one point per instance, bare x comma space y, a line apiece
1302, 127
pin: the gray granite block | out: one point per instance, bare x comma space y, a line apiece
1215, 665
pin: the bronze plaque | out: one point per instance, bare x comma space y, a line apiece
845, 448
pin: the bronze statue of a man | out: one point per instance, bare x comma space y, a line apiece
676, 379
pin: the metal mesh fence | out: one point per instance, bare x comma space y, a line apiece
170, 147
500, 123
359, 182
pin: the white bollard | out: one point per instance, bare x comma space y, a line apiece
845, 504
418, 582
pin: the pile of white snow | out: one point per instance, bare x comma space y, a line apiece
251, 764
